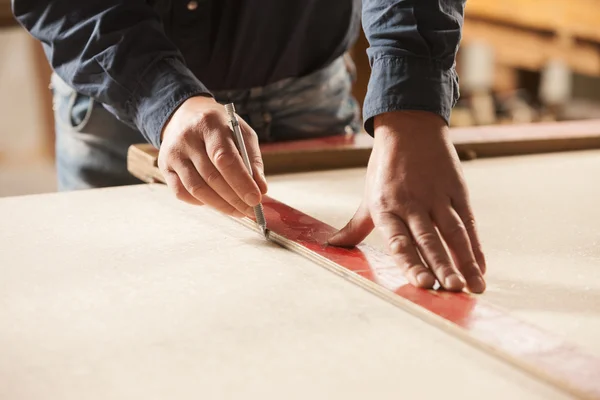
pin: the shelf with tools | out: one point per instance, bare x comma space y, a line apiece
521, 60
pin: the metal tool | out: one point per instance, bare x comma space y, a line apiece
239, 141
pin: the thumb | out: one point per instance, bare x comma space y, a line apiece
356, 230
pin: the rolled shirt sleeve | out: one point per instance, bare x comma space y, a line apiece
413, 46
116, 52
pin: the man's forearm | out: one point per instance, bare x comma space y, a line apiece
115, 52
413, 45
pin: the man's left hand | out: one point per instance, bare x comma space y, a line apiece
416, 197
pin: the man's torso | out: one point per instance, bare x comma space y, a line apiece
239, 44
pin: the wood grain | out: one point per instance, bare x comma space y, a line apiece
493, 330
537, 217
126, 292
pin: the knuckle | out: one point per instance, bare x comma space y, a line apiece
470, 268
197, 189
400, 204
187, 135
478, 249
412, 206
441, 267
383, 203
400, 244
258, 161
212, 176
170, 175
414, 269
426, 240
456, 229
209, 118
222, 158
469, 223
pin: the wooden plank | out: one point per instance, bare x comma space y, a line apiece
340, 151
348, 151
493, 330
483, 325
537, 217
127, 292
507, 140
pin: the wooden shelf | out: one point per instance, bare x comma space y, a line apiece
578, 18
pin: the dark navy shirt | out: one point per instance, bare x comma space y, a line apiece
142, 58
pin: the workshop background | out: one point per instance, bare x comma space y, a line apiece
520, 61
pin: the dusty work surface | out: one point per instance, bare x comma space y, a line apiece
127, 293
539, 218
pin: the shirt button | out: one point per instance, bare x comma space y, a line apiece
192, 5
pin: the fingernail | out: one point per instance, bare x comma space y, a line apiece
453, 282
476, 284
425, 280
252, 199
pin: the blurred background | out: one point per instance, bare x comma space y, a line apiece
520, 61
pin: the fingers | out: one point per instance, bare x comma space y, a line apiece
253, 148
217, 183
356, 230
226, 158
173, 182
204, 165
455, 235
402, 248
432, 249
466, 215
193, 183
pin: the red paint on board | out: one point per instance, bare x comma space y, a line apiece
487, 324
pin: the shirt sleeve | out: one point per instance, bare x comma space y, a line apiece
116, 52
413, 46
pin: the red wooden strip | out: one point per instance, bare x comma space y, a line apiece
545, 355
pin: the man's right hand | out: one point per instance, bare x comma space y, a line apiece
201, 164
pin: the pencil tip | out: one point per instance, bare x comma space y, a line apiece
265, 232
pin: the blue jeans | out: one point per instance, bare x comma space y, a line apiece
91, 144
